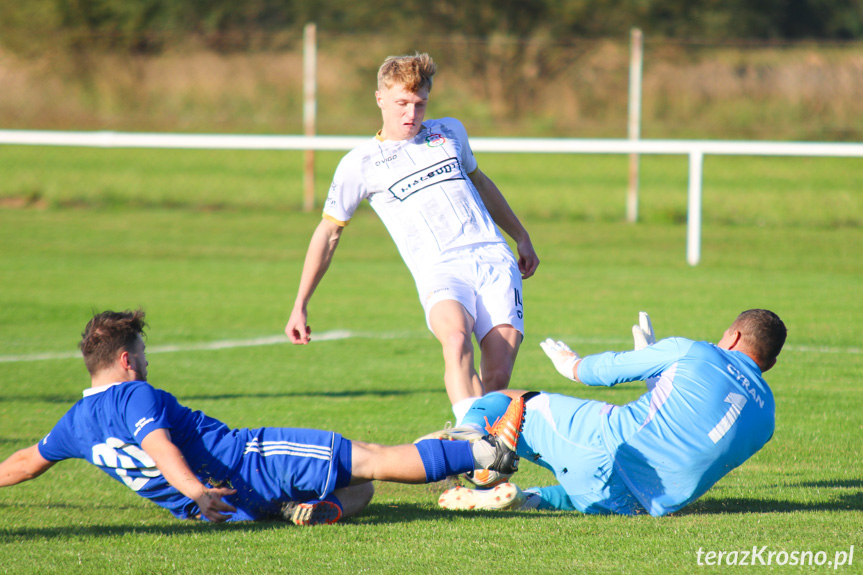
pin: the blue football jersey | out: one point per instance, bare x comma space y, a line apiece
709, 411
266, 466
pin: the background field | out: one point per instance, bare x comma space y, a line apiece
212, 245
572, 87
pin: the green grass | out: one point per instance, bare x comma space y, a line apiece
761, 191
211, 245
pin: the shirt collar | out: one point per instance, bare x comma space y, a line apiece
94, 390
380, 138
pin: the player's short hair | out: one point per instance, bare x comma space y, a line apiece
414, 72
763, 332
107, 334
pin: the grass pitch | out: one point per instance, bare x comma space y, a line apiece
213, 263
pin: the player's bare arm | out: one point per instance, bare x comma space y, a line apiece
23, 465
170, 461
318, 257
504, 217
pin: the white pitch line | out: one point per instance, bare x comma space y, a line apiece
214, 345
824, 349
345, 334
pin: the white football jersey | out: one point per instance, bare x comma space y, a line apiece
419, 188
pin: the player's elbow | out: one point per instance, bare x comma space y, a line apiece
28, 474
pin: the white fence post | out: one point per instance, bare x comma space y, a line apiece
636, 59
309, 111
693, 213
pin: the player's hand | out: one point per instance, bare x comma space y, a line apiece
642, 333
297, 330
528, 261
211, 505
561, 356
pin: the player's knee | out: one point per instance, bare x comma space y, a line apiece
456, 344
354, 498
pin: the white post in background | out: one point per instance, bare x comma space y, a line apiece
309, 110
693, 214
636, 60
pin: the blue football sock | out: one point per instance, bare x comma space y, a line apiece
444, 458
486, 410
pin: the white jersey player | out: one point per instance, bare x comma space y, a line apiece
443, 213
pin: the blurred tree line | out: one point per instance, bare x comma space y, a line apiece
775, 69
149, 26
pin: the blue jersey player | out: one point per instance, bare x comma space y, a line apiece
198, 467
706, 411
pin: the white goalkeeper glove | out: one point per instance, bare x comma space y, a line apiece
644, 336
561, 356
643, 332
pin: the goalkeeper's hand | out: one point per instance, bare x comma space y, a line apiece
643, 332
561, 356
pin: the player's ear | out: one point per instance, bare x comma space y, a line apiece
732, 339
123, 358
379, 98
736, 338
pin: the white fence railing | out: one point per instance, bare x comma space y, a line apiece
695, 149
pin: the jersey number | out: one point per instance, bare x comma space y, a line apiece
108, 454
737, 402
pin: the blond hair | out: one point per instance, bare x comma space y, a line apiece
413, 72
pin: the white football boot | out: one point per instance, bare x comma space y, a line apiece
502, 497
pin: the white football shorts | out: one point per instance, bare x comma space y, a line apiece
484, 279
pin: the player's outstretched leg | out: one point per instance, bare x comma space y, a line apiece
491, 449
481, 478
315, 512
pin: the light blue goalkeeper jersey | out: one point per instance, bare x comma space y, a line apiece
709, 411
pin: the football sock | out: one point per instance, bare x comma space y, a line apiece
444, 458
476, 427
485, 411
459, 408
553, 498
532, 499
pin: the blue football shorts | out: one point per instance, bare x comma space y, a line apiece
282, 464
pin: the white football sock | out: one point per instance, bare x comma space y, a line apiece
461, 407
